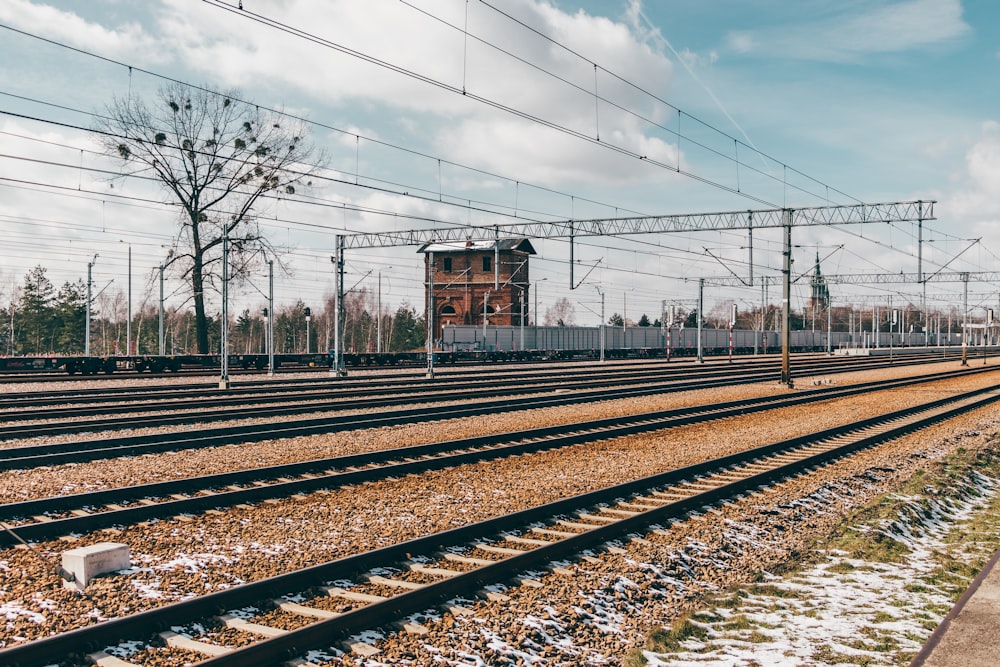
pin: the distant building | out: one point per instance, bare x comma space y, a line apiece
473, 278
820, 297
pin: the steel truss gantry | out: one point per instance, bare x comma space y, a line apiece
910, 211
869, 278
775, 218
882, 279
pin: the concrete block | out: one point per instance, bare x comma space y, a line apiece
85, 563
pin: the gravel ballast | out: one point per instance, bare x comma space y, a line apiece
177, 558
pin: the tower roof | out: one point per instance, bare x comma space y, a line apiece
522, 245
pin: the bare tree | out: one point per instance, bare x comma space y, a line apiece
562, 313
10, 292
217, 157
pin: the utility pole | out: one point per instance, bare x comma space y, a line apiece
601, 323
496, 258
270, 321
829, 326
786, 300
337, 368
308, 313
430, 315
763, 318
701, 304
224, 328
486, 305
535, 318
522, 320
663, 324
160, 340
920, 271
875, 325
128, 322
378, 317
90, 282
965, 318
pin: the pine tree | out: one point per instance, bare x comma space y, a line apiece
408, 330
37, 330
70, 317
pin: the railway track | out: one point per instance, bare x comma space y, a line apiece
29, 456
11, 401
34, 407
30, 376
338, 600
48, 518
11, 377
257, 403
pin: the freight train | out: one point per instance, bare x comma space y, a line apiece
174, 363
472, 344
567, 342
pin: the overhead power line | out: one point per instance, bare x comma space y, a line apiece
319, 124
300, 33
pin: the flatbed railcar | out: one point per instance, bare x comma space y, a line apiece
677, 341
93, 365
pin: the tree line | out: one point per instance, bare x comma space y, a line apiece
39, 319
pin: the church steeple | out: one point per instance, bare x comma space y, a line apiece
820, 296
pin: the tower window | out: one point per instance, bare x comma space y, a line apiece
447, 264
487, 263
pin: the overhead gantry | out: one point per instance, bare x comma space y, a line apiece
783, 218
918, 278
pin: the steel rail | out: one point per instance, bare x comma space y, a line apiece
568, 393
356, 390
584, 389
201, 416
391, 463
103, 448
77, 452
57, 648
19, 376
202, 389
258, 378
328, 632
323, 388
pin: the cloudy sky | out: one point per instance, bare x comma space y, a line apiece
436, 113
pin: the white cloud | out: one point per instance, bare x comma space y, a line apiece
276, 68
698, 60
128, 41
977, 200
488, 65
849, 35
741, 42
937, 148
534, 154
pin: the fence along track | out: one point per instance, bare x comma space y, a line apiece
101, 509
658, 499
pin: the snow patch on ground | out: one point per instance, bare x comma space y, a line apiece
842, 611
